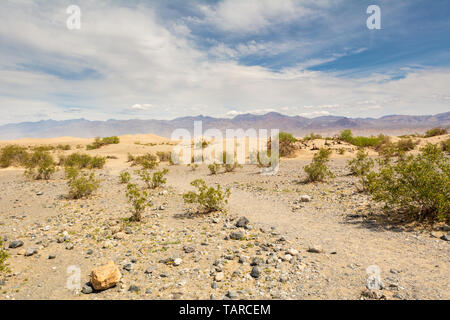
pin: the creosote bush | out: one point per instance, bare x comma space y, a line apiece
81, 184
124, 177
13, 155
208, 198
164, 156
214, 168
3, 257
445, 145
138, 200
286, 144
361, 166
435, 132
418, 186
40, 165
99, 142
317, 170
406, 144
154, 180
82, 161
146, 161
362, 142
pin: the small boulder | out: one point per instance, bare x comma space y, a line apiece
15, 244
105, 277
242, 222
305, 198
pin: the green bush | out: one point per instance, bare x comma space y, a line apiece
317, 170
435, 132
214, 168
312, 136
146, 161
416, 185
362, 142
138, 200
98, 142
193, 166
3, 257
208, 198
81, 184
445, 145
82, 161
40, 165
164, 156
125, 177
13, 155
63, 147
286, 144
361, 166
406, 144
230, 167
154, 180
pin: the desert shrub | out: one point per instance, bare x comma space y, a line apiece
317, 170
3, 257
435, 132
125, 177
406, 144
146, 177
98, 142
230, 167
97, 162
13, 155
208, 198
82, 161
40, 165
158, 178
81, 184
193, 166
138, 200
146, 161
63, 147
164, 156
312, 136
130, 157
214, 168
445, 145
416, 185
42, 148
361, 166
362, 142
286, 144
341, 151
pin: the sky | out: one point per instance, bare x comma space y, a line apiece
162, 59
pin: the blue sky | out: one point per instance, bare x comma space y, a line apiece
166, 59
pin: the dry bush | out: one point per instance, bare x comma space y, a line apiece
40, 165
208, 198
435, 132
81, 184
317, 170
13, 155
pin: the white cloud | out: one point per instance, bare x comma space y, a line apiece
314, 114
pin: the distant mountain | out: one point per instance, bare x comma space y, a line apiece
326, 125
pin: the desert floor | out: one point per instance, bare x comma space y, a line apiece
347, 229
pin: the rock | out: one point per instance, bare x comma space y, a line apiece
177, 261
257, 261
219, 276
128, 266
150, 270
446, 237
69, 246
214, 285
89, 252
255, 272
15, 244
40, 193
315, 249
292, 252
232, 294
105, 277
30, 252
373, 294
237, 235
87, 289
188, 249
242, 222
148, 291
52, 256
305, 198
133, 288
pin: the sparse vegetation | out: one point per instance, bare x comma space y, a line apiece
81, 184
13, 155
125, 177
361, 141
286, 144
312, 136
82, 161
193, 166
214, 168
154, 180
98, 142
361, 166
445, 145
406, 144
317, 170
435, 132
138, 200
146, 161
418, 186
164, 156
3, 257
208, 198
40, 165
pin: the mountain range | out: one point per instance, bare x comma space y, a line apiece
297, 125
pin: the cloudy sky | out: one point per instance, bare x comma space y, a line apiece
165, 59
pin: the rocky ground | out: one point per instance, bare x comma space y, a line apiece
297, 241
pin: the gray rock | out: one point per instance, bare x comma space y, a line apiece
15, 244
232, 294
69, 246
305, 198
133, 288
214, 285
30, 252
255, 272
52, 256
188, 249
87, 289
237, 235
242, 222
128, 266
446, 237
